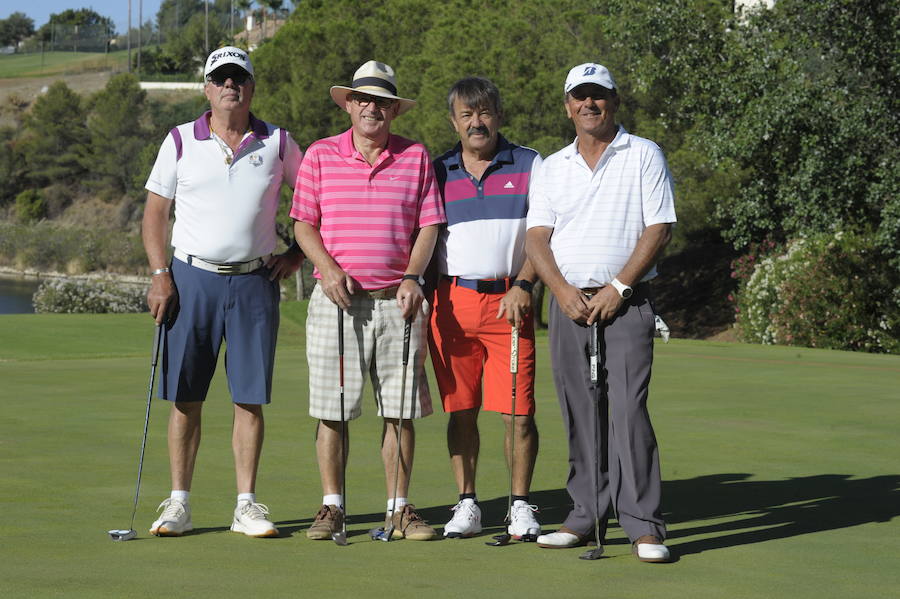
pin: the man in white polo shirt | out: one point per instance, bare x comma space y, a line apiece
224, 173
601, 211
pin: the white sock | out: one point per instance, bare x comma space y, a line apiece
251, 497
334, 499
181, 496
401, 501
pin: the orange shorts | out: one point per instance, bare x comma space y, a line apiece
469, 342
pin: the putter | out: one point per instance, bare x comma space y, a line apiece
385, 534
596, 552
503, 539
340, 537
130, 533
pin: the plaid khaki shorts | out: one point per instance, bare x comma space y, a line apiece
373, 349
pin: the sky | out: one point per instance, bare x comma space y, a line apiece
117, 10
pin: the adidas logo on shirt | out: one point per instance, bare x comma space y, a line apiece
509, 185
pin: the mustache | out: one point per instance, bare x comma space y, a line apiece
476, 130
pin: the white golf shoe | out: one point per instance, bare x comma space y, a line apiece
466, 521
523, 525
561, 539
650, 549
175, 519
252, 519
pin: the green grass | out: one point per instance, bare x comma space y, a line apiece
780, 468
58, 63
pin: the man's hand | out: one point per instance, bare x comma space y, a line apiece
338, 286
409, 298
515, 305
284, 265
162, 297
573, 303
604, 304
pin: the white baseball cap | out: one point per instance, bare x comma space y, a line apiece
227, 55
589, 72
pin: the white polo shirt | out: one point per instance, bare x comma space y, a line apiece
598, 215
225, 212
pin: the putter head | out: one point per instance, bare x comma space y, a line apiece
339, 537
122, 535
499, 540
592, 554
377, 534
530, 536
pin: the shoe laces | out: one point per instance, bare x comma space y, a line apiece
463, 509
254, 511
326, 513
173, 509
409, 514
523, 511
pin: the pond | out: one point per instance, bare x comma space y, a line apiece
15, 294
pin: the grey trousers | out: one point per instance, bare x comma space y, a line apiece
628, 462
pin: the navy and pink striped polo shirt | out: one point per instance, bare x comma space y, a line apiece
485, 233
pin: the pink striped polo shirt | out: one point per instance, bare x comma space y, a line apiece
367, 215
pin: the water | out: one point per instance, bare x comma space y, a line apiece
15, 295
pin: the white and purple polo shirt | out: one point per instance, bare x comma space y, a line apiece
224, 209
485, 233
367, 215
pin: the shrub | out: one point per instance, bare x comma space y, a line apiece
835, 291
96, 296
30, 206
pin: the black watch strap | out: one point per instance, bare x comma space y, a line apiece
417, 278
524, 284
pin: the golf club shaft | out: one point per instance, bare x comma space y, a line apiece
407, 331
513, 370
154, 359
340, 317
595, 380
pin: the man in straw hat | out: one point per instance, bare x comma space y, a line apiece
367, 211
224, 173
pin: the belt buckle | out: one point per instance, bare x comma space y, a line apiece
229, 269
487, 286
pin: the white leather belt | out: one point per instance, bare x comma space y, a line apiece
221, 268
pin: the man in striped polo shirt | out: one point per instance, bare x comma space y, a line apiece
483, 292
601, 213
367, 211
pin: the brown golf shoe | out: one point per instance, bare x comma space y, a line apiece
409, 525
329, 520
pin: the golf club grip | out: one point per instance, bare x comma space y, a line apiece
407, 332
157, 337
340, 321
514, 351
595, 374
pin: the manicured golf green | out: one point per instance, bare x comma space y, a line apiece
780, 466
55, 63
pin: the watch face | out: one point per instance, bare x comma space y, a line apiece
626, 293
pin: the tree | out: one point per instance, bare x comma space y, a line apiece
15, 28
82, 17
117, 134
54, 137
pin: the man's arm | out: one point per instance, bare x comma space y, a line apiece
410, 295
517, 302
570, 299
337, 284
653, 240
162, 297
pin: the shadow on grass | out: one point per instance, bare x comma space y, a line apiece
746, 511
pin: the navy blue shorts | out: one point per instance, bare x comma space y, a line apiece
241, 310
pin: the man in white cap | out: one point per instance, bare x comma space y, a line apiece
367, 210
601, 211
224, 173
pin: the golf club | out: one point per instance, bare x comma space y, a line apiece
385, 534
340, 537
130, 533
596, 552
503, 539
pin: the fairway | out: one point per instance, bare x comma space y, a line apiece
780, 468
58, 63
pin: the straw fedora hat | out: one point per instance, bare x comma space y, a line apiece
375, 79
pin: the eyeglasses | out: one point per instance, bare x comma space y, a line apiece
583, 92
240, 77
381, 103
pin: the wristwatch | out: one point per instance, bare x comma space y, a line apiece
524, 284
624, 290
417, 278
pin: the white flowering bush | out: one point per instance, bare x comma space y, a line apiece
833, 291
89, 295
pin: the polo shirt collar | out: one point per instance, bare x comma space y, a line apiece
201, 127
621, 140
347, 149
504, 153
